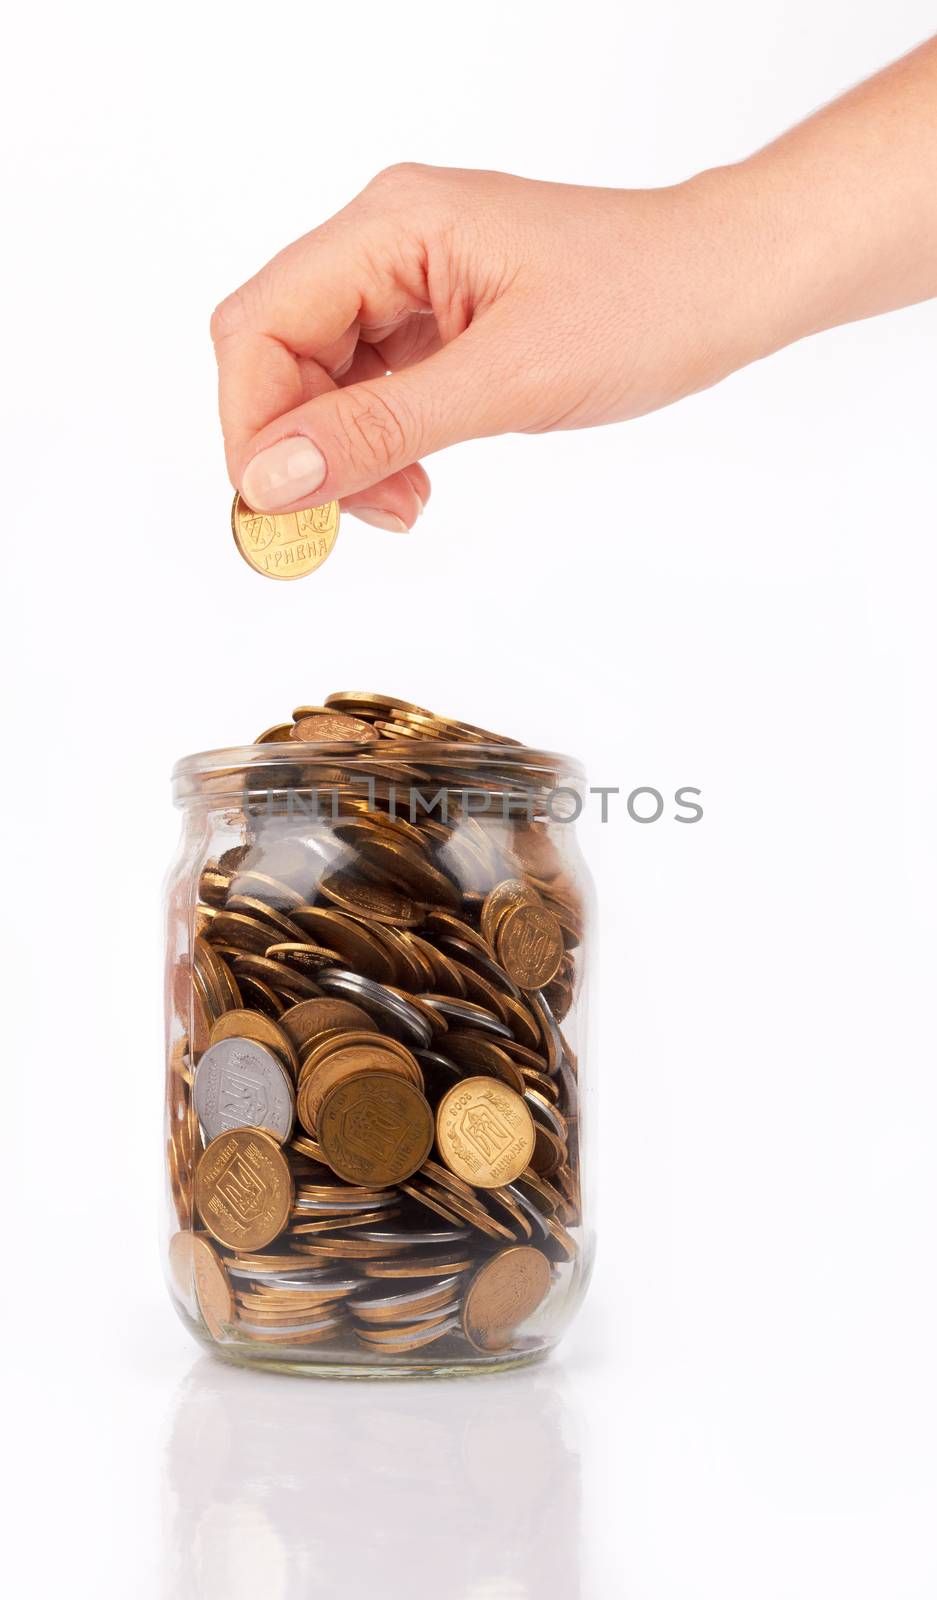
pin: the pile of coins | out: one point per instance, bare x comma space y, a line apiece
373, 1108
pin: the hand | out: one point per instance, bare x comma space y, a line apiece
496, 304
444, 305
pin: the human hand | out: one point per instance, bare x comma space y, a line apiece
447, 305
495, 303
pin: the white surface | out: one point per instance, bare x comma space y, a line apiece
738, 593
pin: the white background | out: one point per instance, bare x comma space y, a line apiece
738, 593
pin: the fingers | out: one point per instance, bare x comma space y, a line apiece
308, 409
350, 439
277, 381
363, 272
393, 504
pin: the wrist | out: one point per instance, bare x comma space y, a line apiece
758, 290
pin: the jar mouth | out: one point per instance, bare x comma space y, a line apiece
421, 764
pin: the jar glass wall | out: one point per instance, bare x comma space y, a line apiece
375, 1005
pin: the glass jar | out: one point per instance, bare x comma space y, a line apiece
375, 1028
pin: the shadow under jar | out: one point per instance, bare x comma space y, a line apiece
375, 1007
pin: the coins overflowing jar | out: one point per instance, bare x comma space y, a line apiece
375, 1001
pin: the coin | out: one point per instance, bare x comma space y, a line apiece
503, 1294
267, 893
530, 945
504, 897
308, 957
328, 726
287, 546
392, 1012
362, 702
182, 1267
277, 975
484, 1132
243, 1189
358, 945
212, 1287
375, 901
348, 1062
303, 1021
375, 1128
242, 1084
404, 1307
255, 1025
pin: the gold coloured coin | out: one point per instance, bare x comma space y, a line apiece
212, 1287
363, 703
375, 1128
375, 901
331, 727
278, 975
342, 1063
308, 957
503, 1294
243, 1189
530, 945
288, 546
303, 1021
359, 946
504, 897
415, 1266
470, 1211
181, 1265
484, 1132
240, 1024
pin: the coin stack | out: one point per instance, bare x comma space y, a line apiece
373, 1107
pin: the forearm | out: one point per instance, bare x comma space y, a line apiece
841, 212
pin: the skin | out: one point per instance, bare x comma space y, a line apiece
444, 305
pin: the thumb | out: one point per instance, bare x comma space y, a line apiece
349, 439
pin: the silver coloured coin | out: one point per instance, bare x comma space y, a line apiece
445, 1237
542, 1112
389, 1302
467, 954
475, 1015
351, 984
529, 1209
241, 1084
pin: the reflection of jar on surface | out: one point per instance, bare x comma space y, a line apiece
270, 1489
375, 1013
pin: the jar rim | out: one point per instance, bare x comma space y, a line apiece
203, 772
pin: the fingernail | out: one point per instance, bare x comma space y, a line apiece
379, 519
282, 473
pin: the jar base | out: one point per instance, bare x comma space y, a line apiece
402, 1366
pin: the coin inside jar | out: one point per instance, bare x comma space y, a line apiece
530, 945
375, 1128
243, 1189
503, 1294
485, 1132
242, 1084
212, 1288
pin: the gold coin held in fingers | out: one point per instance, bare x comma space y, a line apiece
290, 545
